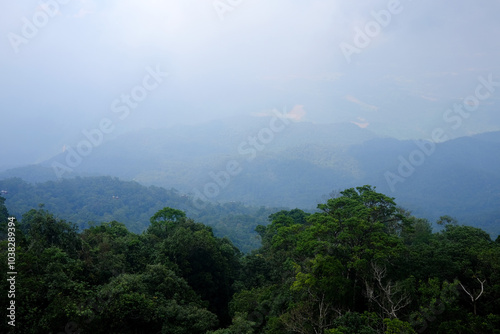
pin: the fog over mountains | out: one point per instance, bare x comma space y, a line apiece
276, 161
257, 167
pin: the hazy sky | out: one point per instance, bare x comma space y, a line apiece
394, 67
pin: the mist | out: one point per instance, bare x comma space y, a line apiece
392, 67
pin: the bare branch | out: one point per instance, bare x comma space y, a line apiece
473, 299
390, 297
467, 292
482, 288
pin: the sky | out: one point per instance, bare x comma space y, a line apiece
397, 68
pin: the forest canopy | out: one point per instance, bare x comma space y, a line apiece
360, 264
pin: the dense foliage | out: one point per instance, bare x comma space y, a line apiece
358, 265
94, 200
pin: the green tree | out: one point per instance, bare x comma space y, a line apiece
43, 230
4, 216
209, 264
152, 302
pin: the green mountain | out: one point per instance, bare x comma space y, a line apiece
298, 166
93, 200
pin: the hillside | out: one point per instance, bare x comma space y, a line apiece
104, 199
299, 166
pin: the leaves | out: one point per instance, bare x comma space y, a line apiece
358, 265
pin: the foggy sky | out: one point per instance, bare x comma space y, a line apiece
84, 58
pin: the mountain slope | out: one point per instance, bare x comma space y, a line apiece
104, 199
298, 165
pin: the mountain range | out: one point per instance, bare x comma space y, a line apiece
276, 162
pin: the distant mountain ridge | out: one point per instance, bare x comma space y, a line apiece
300, 164
94, 200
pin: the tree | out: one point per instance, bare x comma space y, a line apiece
447, 220
390, 297
109, 250
155, 301
165, 220
4, 216
324, 259
323, 288
474, 295
208, 264
167, 214
43, 230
